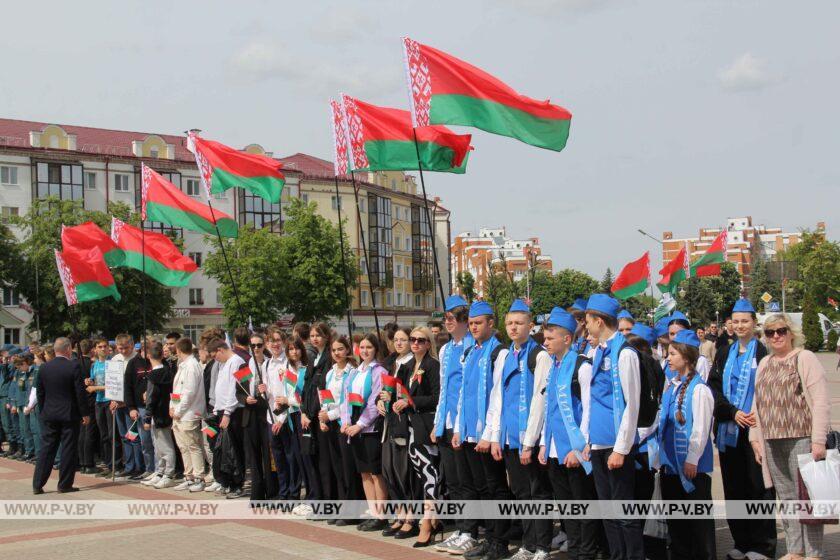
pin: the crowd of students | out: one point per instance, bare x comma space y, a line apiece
596, 406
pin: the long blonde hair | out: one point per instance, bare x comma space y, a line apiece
795, 330
426, 332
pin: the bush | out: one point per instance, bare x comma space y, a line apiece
832, 339
811, 326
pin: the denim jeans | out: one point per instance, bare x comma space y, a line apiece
132, 450
146, 442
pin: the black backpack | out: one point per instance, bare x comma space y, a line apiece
652, 381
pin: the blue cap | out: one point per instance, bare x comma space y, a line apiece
579, 304
677, 315
562, 318
687, 336
454, 301
479, 308
137, 346
661, 327
624, 314
603, 303
743, 305
644, 331
519, 306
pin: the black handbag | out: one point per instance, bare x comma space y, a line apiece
832, 440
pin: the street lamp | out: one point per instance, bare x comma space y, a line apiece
646, 234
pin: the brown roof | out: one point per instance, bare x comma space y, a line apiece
310, 166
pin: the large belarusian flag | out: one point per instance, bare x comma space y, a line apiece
164, 202
85, 276
674, 272
223, 168
446, 90
341, 155
633, 278
152, 253
83, 237
382, 139
715, 255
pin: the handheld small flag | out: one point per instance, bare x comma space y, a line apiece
174, 398
132, 434
210, 431
403, 394
326, 397
355, 399
390, 383
244, 375
291, 377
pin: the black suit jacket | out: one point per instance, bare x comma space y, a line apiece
724, 410
425, 395
61, 391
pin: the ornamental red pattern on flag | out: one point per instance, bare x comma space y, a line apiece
85, 276
341, 160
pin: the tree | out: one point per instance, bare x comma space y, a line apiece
11, 259
39, 283
811, 326
640, 306
705, 297
606, 282
561, 289
760, 282
818, 263
466, 285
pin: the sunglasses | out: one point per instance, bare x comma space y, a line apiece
418, 340
259, 345
770, 333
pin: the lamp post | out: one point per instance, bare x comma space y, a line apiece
646, 234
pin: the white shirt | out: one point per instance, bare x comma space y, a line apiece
702, 407
335, 387
492, 424
273, 368
585, 381
703, 368
226, 386
628, 374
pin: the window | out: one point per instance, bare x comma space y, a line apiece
193, 332
399, 299
8, 175
377, 299
421, 250
154, 152
63, 181
196, 296
408, 271
389, 299
7, 212
193, 187
364, 297
363, 266
408, 244
429, 301
121, 182
380, 243
196, 257
175, 179
362, 205
10, 297
220, 196
305, 198
398, 271
11, 336
258, 212
336, 202
397, 243
417, 300
90, 180
394, 184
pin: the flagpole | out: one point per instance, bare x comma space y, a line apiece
343, 260
429, 218
367, 260
143, 250
224, 256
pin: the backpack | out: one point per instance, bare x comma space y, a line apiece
651, 383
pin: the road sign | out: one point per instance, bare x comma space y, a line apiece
766, 297
774, 307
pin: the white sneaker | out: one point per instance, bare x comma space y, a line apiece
151, 476
524, 554
735, 554
213, 487
756, 556
302, 510
164, 482
464, 543
197, 486
558, 540
448, 541
540, 555
152, 480
184, 485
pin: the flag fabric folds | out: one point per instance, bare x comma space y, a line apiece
341, 156
85, 276
152, 253
83, 237
674, 272
715, 255
633, 278
446, 90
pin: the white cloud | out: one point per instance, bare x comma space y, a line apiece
267, 59
746, 73
344, 24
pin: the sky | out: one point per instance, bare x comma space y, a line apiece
685, 113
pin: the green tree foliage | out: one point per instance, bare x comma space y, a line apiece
760, 283
11, 259
606, 282
705, 296
818, 262
811, 326
561, 289
299, 272
40, 284
466, 285
640, 306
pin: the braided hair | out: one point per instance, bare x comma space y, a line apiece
690, 354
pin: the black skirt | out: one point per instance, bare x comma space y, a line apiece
367, 452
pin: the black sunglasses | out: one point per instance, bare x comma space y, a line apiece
418, 340
770, 333
259, 345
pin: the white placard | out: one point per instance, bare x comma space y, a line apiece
114, 380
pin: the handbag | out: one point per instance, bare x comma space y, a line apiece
656, 527
822, 476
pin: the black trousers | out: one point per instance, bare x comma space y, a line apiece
530, 482
329, 464
352, 478
258, 456
742, 480
286, 451
89, 444
457, 478
234, 429
623, 535
574, 484
309, 459
655, 549
54, 434
495, 476
691, 539
104, 421
473, 482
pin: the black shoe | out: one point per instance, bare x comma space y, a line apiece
390, 530
411, 533
374, 525
17, 455
137, 476
121, 472
331, 521
497, 551
103, 474
89, 470
437, 530
67, 490
37, 491
478, 551
234, 494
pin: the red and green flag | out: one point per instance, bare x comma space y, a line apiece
341, 154
175, 398
355, 399
291, 377
223, 168
132, 434
674, 272
326, 397
382, 139
446, 90
243, 374
210, 431
402, 393
85, 276
82, 237
715, 255
633, 278
390, 383
153, 253
164, 202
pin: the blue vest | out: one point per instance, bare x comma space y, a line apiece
555, 427
675, 436
607, 403
517, 391
475, 389
450, 387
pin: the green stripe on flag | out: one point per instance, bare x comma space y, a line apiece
89, 291
494, 117
401, 155
673, 282
266, 187
157, 270
632, 289
193, 222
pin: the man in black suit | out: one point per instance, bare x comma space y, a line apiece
63, 408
